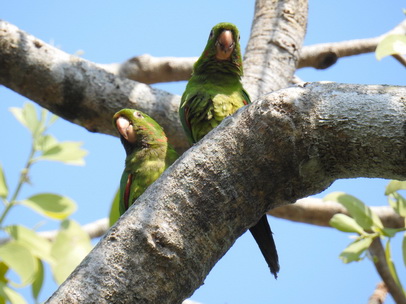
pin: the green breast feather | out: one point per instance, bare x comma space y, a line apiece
215, 90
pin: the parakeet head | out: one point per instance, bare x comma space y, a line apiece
137, 130
222, 50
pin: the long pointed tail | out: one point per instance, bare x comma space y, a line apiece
262, 234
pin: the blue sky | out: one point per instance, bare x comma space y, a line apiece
108, 31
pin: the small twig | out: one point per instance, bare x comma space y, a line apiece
378, 255
379, 295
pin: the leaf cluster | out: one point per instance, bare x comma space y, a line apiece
26, 251
368, 226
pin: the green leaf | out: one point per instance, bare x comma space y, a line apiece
345, 223
391, 45
391, 232
395, 185
391, 265
11, 295
18, 114
31, 119
48, 142
38, 280
114, 211
51, 205
3, 184
68, 152
27, 116
71, 245
398, 203
38, 246
355, 249
361, 213
19, 259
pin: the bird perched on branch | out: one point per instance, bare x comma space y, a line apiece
148, 153
214, 92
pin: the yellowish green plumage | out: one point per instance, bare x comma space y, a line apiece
214, 92
148, 153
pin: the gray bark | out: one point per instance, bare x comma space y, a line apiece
272, 53
78, 90
303, 138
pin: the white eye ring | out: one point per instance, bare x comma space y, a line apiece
137, 114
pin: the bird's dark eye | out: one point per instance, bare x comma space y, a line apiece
211, 34
138, 114
239, 37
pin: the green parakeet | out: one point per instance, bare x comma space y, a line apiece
214, 92
148, 153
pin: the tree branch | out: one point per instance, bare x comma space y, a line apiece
303, 139
276, 38
379, 259
324, 55
78, 90
148, 69
318, 212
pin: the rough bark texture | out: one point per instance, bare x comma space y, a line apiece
272, 52
78, 90
304, 138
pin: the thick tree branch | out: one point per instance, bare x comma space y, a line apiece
378, 255
78, 90
276, 38
303, 138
